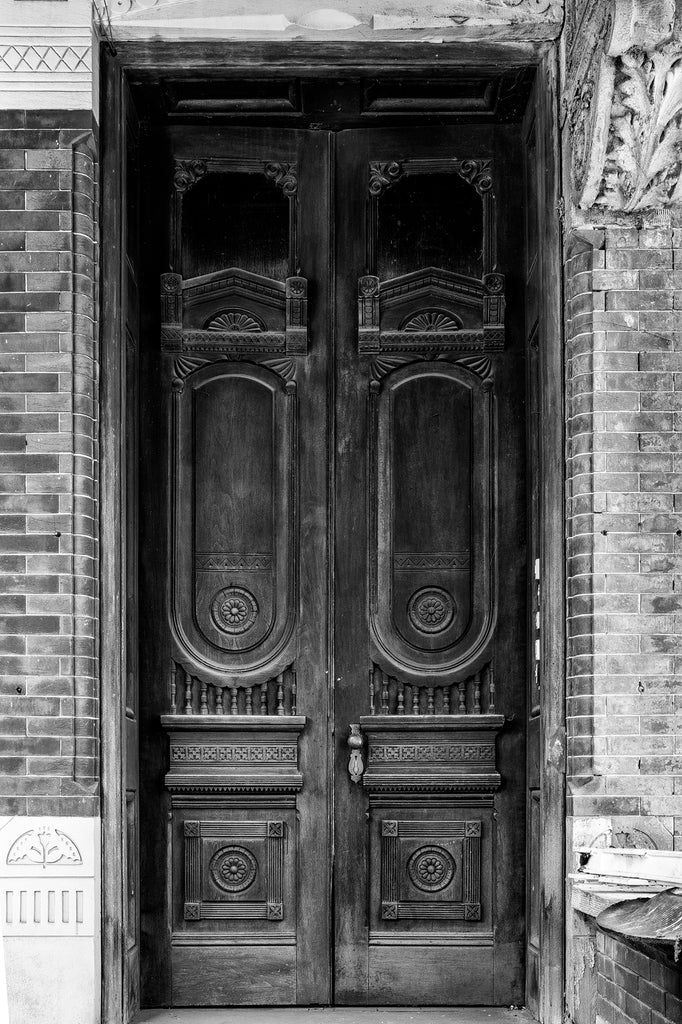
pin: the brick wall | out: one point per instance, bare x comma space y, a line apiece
48, 465
632, 988
624, 529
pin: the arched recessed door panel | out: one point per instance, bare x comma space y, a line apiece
233, 575
432, 530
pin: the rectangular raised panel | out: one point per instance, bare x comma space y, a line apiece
257, 974
429, 975
233, 870
431, 870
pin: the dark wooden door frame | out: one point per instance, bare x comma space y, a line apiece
150, 59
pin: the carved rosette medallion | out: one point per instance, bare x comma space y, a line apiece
233, 869
431, 868
234, 610
431, 610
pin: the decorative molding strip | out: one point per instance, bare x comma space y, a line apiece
431, 560
220, 560
255, 754
433, 752
45, 60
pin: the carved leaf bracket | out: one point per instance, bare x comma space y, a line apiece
623, 101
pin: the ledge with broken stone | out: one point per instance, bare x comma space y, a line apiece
634, 895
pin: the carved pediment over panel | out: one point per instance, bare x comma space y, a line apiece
623, 105
431, 309
233, 310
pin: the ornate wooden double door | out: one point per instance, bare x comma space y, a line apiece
332, 590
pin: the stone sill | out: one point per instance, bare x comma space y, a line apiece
634, 895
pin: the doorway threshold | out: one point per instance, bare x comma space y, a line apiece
340, 1015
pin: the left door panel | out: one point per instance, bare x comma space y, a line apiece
233, 587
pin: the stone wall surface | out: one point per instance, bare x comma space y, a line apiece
48, 465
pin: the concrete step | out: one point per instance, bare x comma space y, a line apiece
340, 1015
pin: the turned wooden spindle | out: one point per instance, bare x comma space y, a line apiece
173, 688
188, 693
384, 693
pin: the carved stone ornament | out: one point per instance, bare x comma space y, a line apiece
624, 106
44, 846
466, 19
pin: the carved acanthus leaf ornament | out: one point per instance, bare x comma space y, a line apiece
624, 106
644, 153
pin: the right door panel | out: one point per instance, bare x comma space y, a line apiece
430, 568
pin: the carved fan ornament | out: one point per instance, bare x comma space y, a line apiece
235, 320
430, 320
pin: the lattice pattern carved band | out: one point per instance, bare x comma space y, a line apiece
240, 754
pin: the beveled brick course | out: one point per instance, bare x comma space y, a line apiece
48, 426
623, 389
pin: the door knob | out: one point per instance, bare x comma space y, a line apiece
356, 765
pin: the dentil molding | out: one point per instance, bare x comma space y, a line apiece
623, 104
